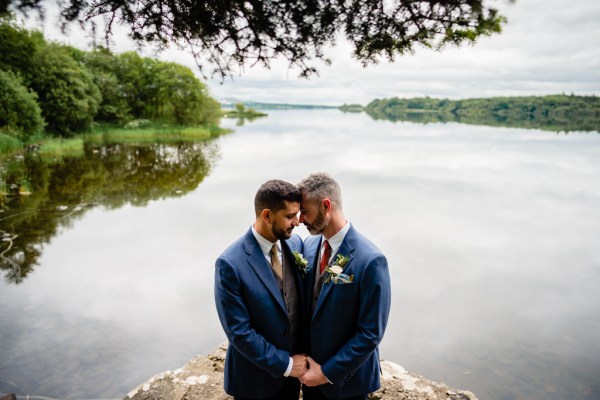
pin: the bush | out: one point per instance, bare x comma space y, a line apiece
20, 114
66, 91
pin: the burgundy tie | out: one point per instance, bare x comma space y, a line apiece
326, 255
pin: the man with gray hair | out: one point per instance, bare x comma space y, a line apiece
348, 298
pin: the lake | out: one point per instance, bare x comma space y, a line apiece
492, 236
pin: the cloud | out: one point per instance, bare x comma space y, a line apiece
547, 47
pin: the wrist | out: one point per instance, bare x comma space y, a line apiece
288, 371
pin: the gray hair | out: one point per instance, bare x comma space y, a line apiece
321, 185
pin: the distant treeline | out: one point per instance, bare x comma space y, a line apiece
50, 89
274, 106
555, 113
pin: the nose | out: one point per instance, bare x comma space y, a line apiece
301, 218
295, 221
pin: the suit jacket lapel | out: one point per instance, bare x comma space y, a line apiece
311, 254
346, 249
287, 252
258, 262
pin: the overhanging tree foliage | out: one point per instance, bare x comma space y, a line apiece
233, 33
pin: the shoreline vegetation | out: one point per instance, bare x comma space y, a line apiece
241, 112
54, 97
108, 134
136, 132
557, 113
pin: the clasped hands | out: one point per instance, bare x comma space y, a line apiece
307, 370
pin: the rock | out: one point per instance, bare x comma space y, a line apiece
202, 379
9, 397
397, 383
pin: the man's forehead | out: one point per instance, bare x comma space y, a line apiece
309, 201
291, 205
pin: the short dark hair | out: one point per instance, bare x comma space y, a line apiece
273, 194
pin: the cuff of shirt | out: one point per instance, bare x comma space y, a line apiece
288, 371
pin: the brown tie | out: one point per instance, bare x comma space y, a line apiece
326, 255
276, 263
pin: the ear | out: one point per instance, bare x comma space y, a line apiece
266, 215
327, 204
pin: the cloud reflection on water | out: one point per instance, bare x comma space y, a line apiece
491, 235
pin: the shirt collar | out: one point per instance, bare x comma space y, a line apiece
336, 240
265, 244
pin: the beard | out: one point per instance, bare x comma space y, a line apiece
318, 226
281, 234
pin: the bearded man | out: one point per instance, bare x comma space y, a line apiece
260, 301
348, 296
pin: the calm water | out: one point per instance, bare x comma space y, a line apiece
492, 237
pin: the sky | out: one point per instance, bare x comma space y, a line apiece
546, 47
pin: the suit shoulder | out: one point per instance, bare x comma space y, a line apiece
234, 249
295, 243
364, 244
311, 240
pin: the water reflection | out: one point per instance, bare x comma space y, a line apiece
45, 194
547, 123
491, 236
241, 120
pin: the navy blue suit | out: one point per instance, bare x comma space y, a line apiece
348, 320
253, 315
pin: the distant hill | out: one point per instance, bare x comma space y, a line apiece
230, 103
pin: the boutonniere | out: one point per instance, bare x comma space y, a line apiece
301, 263
335, 271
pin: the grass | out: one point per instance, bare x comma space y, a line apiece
58, 148
9, 144
146, 132
153, 133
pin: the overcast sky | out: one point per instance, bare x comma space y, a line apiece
547, 47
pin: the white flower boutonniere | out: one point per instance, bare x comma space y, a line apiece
301, 263
335, 271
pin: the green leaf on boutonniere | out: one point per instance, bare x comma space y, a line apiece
335, 271
301, 263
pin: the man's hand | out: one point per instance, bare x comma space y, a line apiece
314, 376
299, 366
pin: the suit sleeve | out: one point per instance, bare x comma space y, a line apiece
373, 313
235, 319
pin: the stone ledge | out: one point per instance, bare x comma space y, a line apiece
202, 378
